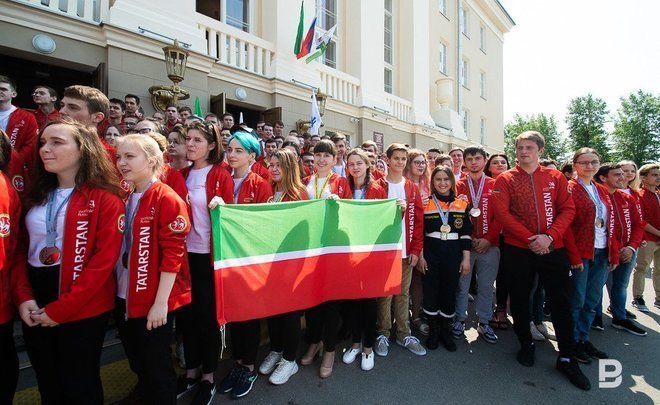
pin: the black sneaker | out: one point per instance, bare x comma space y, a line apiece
628, 326
581, 354
244, 383
572, 370
184, 385
230, 379
591, 350
597, 324
204, 394
629, 315
640, 304
526, 355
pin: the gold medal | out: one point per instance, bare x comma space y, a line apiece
49, 255
445, 228
475, 212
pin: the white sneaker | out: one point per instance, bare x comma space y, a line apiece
382, 344
412, 343
350, 355
536, 334
367, 361
285, 369
545, 332
270, 362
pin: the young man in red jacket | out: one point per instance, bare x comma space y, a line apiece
408, 197
628, 231
20, 126
45, 98
535, 209
649, 194
485, 245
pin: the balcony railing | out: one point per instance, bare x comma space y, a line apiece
233, 47
339, 85
399, 107
91, 11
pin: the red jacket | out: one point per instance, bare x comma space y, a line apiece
338, 185
375, 192
377, 174
10, 214
254, 190
18, 172
159, 230
218, 183
531, 204
485, 226
261, 171
92, 239
629, 228
42, 119
22, 131
414, 216
581, 238
650, 203
175, 180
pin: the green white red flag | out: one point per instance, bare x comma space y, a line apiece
282, 257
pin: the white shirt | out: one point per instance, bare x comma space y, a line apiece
600, 241
120, 271
358, 194
4, 118
398, 191
340, 169
35, 221
199, 238
314, 188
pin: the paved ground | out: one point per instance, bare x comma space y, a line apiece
478, 372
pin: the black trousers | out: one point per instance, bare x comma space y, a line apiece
198, 322
363, 314
284, 334
149, 355
66, 359
8, 363
245, 338
323, 322
440, 282
553, 271
502, 281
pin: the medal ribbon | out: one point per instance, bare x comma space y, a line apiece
476, 199
318, 193
239, 182
51, 220
594, 199
444, 216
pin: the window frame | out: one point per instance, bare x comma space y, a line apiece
443, 63
322, 11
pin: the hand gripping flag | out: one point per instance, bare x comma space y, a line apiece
281, 257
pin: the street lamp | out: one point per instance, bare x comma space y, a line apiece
303, 126
176, 59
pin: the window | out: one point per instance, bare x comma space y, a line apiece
443, 58
388, 39
482, 39
464, 73
482, 85
328, 19
482, 131
388, 80
466, 121
464, 21
232, 12
442, 6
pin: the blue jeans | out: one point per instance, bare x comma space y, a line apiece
588, 293
617, 288
486, 268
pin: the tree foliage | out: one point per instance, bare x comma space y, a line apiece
637, 128
555, 144
586, 124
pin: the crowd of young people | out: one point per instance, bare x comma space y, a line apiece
119, 227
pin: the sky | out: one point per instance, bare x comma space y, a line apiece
561, 49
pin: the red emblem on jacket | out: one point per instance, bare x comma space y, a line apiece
18, 182
5, 225
178, 225
121, 223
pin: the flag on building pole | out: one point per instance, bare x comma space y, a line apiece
240, 118
198, 108
315, 120
301, 27
321, 43
306, 45
328, 252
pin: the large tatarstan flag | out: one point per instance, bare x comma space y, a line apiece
281, 257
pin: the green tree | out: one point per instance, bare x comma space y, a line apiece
555, 144
586, 123
637, 128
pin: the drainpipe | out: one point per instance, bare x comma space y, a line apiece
459, 57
